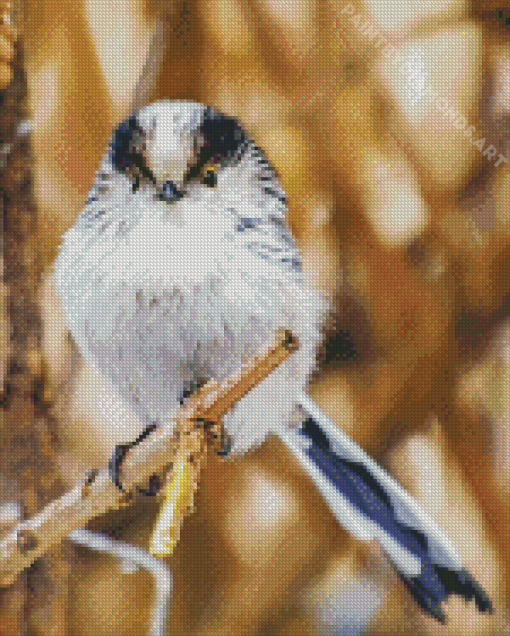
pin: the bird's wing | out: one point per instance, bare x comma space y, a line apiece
368, 502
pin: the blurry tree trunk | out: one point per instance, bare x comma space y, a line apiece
36, 603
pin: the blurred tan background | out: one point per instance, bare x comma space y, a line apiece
401, 219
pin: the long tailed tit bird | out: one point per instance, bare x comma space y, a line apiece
179, 267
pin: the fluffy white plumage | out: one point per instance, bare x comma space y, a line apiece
161, 294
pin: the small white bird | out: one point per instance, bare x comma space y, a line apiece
180, 266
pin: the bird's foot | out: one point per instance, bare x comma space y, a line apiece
121, 450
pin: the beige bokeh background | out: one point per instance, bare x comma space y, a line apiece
401, 220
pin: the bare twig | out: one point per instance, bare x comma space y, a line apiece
97, 494
161, 574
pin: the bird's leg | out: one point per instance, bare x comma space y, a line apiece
220, 442
182, 482
121, 450
218, 438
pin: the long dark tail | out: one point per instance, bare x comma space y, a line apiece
368, 502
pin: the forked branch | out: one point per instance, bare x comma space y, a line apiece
97, 494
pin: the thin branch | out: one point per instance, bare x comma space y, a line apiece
161, 574
97, 494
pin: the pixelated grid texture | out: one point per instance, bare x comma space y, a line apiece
349, 178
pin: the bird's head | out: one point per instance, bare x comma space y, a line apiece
174, 143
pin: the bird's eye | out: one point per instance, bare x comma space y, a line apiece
210, 177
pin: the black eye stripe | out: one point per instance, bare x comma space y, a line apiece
223, 138
124, 153
121, 147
